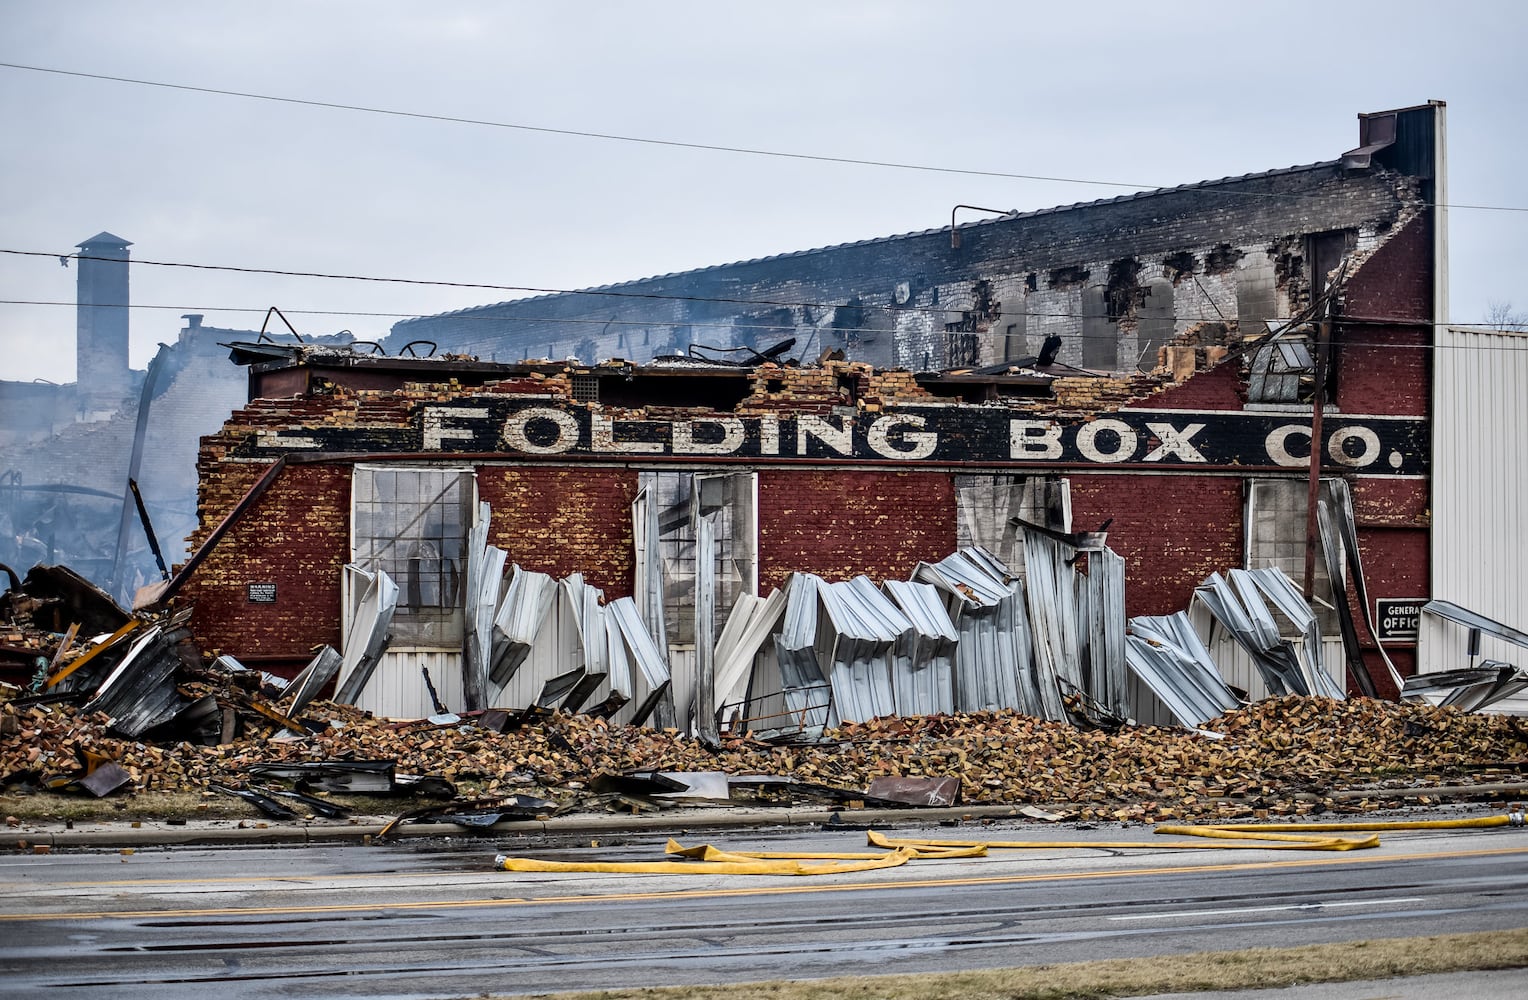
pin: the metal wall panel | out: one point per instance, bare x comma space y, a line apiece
396, 689
1479, 494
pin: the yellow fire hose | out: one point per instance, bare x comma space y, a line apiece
707, 860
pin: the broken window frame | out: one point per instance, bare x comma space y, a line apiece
1273, 534
442, 589
681, 497
986, 505
1282, 369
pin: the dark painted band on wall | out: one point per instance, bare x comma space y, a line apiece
1395, 446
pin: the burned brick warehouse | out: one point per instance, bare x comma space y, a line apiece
938, 472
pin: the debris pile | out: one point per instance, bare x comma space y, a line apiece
1287, 756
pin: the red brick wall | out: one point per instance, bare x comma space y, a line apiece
1393, 518
1387, 368
297, 536
1219, 388
839, 524
1172, 530
565, 520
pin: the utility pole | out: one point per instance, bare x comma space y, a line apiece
1317, 405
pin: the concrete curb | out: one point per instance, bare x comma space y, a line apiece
670, 823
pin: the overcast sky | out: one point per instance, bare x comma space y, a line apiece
1145, 95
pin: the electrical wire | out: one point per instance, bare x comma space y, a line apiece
679, 144
540, 291
773, 328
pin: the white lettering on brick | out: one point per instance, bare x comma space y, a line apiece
1087, 441
917, 443
840, 438
731, 441
1363, 435
1278, 449
516, 439
602, 438
769, 435
1034, 439
1175, 443
437, 431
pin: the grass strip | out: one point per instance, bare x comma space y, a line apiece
1252, 968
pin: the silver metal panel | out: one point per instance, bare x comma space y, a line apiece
1057, 642
374, 596
862, 625
1166, 654
986, 604
485, 576
555, 648
519, 621
745, 635
640, 657
923, 659
1479, 540
397, 690
1278, 588
803, 682
703, 717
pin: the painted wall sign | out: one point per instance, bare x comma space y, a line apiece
955, 434
262, 593
1398, 619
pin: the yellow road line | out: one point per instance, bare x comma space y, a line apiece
773, 889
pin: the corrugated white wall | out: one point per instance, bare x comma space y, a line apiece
396, 689
1480, 493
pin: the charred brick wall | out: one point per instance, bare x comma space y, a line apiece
839, 524
1171, 258
562, 520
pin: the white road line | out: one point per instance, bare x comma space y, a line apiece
1267, 909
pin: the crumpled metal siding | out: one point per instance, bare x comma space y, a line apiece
1280, 670
1279, 589
806, 688
862, 626
1053, 615
652, 670
1101, 604
986, 605
374, 597
745, 635
485, 581
519, 620
923, 659
1165, 652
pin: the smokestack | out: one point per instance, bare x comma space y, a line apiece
101, 327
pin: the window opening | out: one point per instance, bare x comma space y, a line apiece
1276, 515
412, 524
681, 497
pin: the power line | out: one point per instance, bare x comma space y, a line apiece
938, 310
764, 327
676, 143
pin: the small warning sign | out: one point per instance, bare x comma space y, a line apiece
262, 593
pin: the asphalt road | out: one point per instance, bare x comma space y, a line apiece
436, 920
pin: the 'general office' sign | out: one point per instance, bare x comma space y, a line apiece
937, 434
